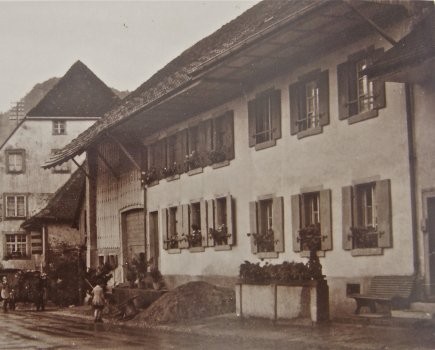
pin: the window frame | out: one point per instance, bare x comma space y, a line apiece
349, 94
16, 151
58, 127
13, 255
5, 205
269, 101
299, 103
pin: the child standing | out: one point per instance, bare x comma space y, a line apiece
98, 301
5, 293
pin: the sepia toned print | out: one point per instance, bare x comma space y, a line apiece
270, 187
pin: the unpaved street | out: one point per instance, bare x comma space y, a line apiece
31, 330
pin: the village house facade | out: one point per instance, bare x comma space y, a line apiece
70, 107
268, 127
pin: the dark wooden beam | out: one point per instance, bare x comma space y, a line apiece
123, 149
106, 163
81, 167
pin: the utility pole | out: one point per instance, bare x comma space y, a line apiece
17, 111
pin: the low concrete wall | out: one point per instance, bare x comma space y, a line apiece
305, 299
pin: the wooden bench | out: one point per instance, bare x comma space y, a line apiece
388, 290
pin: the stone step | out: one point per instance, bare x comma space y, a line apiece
423, 307
411, 314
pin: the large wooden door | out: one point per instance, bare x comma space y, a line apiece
133, 234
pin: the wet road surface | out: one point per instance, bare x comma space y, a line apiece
31, 330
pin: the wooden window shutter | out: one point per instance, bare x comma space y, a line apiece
230, 220
378, 86
383, 205
229, 134
205, 141
347, 215
165, 237
185, 226
181, 150
296, 221
204, 231
210, 220
343, 90
179, 218
275, 110
252, 116
326, 219
323, 84
278, 223
28, 244
295, 110
253, 225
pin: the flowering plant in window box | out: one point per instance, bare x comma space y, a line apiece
220, 235
15, 255
172, 242
148, 177
195, 237
364, 237
217, 156
170, 170
265, 241
310, 237
192, 161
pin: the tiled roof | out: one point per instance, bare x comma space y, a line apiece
177, 73
79, 93
64, 205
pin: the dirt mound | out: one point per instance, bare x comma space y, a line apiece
188, 301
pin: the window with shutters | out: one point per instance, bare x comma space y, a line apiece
221, 138
16, 246
59, 127
360, 98
267, 226
193, 157
309, 104
311, 218
264, 116
15, 161
170, 225
367, 216
15, 206
195, 235
220, 222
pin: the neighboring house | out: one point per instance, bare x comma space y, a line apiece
62, 222
77, 100
268, 126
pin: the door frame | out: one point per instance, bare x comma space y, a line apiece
122, 214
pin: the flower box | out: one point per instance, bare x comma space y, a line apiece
298, 299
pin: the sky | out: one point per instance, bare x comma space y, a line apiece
122, 42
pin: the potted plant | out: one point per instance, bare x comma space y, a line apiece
217, 156
172, 242
265, 241
364, 237
195, 237
192, 161
150, 176
170, 170
220, 235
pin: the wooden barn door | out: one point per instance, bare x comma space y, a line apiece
133, 234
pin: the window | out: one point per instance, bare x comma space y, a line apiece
359, 97
309, 104
267, 226
264, 115
59, 127
367, 215
16, 245
311, 215
219, 140
15, 161
220, 222
15, 206
195, 234
172, 221
62, 168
